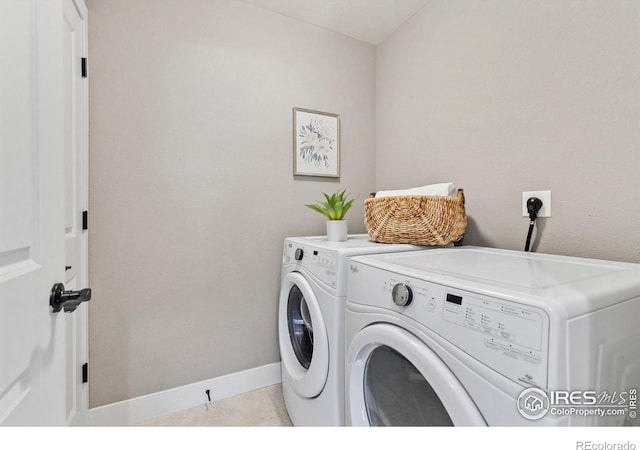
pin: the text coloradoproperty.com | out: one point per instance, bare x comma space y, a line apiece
588, 411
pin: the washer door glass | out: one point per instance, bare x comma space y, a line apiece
396, 393
303, 338
395, 378
300, 326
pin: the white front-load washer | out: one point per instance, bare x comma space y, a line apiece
479, 336
311, 323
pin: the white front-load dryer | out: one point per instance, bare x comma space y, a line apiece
311, 323
479, 336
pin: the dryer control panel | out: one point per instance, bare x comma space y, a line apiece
510, 337
322, 264
507, 328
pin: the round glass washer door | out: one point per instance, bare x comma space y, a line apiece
395, 379
304, 344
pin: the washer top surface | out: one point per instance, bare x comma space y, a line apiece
548, 277
356, 244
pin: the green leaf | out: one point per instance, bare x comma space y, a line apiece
319, 209
335, 207
339, 211
347, 206
332, 212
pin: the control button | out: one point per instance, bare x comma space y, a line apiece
469, 324
299, 254
508, 351
507, 336
535, 359
493, 345
432, 305
486, 329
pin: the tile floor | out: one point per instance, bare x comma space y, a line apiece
260, 408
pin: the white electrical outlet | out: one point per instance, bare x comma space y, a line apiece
545, 196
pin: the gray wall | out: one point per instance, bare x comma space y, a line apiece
503, 97
192, 189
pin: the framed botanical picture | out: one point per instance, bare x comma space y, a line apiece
316, 143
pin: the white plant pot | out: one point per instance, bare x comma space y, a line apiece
336, 230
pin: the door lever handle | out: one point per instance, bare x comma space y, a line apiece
69, 300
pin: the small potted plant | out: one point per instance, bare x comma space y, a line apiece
334, 208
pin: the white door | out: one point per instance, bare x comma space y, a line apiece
304, 343
395, 379
75, 203
36, 344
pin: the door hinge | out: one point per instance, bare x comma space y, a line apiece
85, 373
84, 67
85, 220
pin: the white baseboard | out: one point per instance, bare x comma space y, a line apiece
148, 407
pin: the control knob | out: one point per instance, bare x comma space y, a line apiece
402, 294
299, 254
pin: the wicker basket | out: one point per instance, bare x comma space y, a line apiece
420, 220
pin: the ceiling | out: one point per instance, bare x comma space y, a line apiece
367, 20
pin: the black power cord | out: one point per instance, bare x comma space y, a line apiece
533, 207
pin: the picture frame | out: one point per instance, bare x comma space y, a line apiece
316, 143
